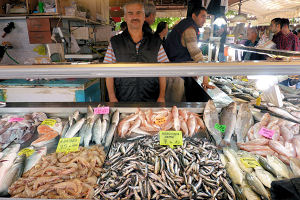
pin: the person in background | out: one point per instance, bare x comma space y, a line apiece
162, 31
150, 14
123, 26
252, 36
289, 40
134, 45
182, 46
298, 34
276, 30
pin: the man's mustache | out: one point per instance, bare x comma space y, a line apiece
137, 20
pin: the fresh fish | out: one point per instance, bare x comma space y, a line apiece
109, 135
89, 132
97, 131
90, 113
279, 167
140, 131
14, 173
240, 155
104, 127
82, 132
191, 123
226, 89
295, 166
176, 118
32, 160
45, 140
74, 118
296, 143
281, 149
228, 118
75, 128
235, 173
256, 185
65, 129
116, 117
243, 122
211, 118
264, 163
249, 193
239, 192
265, 177
283, 113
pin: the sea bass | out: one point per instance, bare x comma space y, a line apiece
97, 131
211, 118
89, 132
243, 122
75, 128
228, 118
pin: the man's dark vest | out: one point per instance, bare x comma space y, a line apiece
136, 89
175, 51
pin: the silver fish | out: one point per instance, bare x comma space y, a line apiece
97, 131
243, 122
82, 132
115, 117
75, 128
256, 185
34, 158
109, 135
90, 113
65, 129
211, 118
279, 167
89, 132
283, 113
12, 175
228, 118
265, 177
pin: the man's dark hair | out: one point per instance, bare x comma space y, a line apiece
123, 25
298, 31
277, 21
285, 22
198, 10
160, 27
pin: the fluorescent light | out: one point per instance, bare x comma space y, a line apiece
220, 21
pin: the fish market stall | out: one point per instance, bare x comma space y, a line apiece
221, 149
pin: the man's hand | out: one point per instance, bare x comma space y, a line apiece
207, 86
113, 100
161, 100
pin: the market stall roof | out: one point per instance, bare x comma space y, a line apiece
266, 10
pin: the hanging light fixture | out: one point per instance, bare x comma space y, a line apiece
239, 18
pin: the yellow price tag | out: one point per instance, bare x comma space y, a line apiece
49, 122
66, 145
26, 151
249, 162
160, 120
245, 80
258, 101
170, 138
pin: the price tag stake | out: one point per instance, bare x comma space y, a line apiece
170, 138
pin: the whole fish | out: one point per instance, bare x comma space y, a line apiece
226, 89
239, 192
265, 177
279, 148
249, 193
283, 113
97, 131
90, 113
176, 118
109, 135
75, 128
104, 127
89, 132
65, 129
235, 173
74, 118
228, 118
82, 132
256, 185
34, 158
295, 166
279, 167
243, 122
116, 117
140, 131
14, 173
211, 118
264, 163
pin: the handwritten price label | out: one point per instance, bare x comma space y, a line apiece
101, 110
26, 151
266, 133
170, 138
66, 145
15, 119
160, 120
250, 162
221, 128
49, 122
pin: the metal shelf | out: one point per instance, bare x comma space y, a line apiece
148, 70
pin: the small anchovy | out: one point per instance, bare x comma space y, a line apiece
143, 169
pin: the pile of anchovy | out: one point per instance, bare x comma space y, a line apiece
143, 169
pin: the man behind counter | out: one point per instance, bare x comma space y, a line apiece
252, 36
134, 45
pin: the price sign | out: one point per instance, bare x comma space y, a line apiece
258, 101
160, 120
266, 133
245, 80
249, 162
221, 128
101, 110
170, 138
49, 122
66, 145
16, 119
28, 152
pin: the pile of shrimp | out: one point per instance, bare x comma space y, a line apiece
62, 176
151, 122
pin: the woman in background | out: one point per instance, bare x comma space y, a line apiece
162, 31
